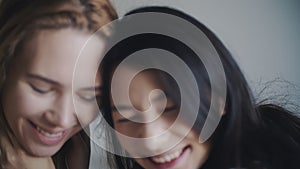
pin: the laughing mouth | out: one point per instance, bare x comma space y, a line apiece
47, 134
168, 158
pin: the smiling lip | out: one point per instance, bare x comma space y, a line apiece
47, 137
169, 160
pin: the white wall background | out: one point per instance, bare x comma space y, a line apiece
263, 36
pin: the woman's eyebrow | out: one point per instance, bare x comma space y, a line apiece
39, 77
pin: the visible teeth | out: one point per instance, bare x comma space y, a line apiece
167, 158
45, 133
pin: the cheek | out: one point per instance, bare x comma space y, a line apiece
200, 154
19, 101
20, 105
86, 113
200, 151
126, 144
122, 132
128, 129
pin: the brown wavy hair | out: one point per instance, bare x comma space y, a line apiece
20, 19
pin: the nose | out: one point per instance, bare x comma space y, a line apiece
62, 113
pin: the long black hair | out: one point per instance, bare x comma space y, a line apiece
248, 136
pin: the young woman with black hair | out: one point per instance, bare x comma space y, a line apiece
249, 135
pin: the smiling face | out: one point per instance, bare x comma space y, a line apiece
38, 95
160, 113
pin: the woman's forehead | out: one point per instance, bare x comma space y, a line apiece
55, 54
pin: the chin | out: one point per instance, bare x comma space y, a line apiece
42, 151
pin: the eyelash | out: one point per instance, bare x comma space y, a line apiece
90, 99
40, 91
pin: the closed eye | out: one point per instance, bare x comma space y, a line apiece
89, 98
130, 119
90, 94
40, 90
40, 84
130, 114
